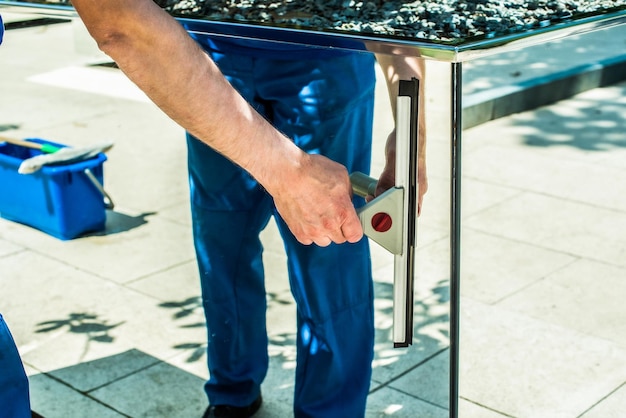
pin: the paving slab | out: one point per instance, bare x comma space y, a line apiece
160, 390
512, 266
388, 402
469, 409
580, 229
610, 407
522, 367
562, 151
561, 297
53, 399
425, 382
82, 317
113, 253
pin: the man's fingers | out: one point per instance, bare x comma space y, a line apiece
352, 230
323, 241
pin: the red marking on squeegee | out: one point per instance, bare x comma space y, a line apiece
381, 222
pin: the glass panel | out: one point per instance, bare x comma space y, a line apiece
423, 369
543, 237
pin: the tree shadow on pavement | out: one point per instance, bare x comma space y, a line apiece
591, 121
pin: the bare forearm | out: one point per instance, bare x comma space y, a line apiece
396, 68
156, 53
311, 192
400, 67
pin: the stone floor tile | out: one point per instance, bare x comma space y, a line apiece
179, 284
579, 229
52, 399
435, 207
69, 349
82, 317
45, 112
32, 39
281, 317
429, 381
8, 248
523, 367
123, 255
586, 127
166, 391
89, 375
192, 360
610, 407
271, 238
67, 291
550, 174
388, 402
495, 268
275, 267
469, 409
430, 337
97, 80
278, 386
479, 195
178, 212
579, 297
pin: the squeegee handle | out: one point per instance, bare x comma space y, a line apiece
45, 148
362, 184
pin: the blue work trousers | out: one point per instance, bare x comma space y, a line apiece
326, 107
14, 395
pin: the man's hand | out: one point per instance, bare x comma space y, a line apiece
316, 203
388, 175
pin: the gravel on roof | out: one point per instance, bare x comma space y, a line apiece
434, 20
438, 20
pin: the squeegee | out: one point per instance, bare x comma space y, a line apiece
390, 219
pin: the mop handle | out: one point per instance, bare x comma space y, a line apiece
45, 148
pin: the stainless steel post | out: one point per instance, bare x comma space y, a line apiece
455, 231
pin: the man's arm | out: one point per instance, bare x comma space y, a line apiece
312, 193
396, 68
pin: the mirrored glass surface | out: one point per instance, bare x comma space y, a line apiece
421, 370
426, 370
541, 275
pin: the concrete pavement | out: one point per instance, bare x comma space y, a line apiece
110, 325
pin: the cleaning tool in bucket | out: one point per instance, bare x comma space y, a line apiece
52, 154
62, 196
55, 155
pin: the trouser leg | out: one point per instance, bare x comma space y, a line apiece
333, 285
14, 393
333, 290
228, 212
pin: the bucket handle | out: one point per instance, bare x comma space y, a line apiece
108, 202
